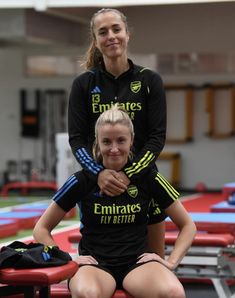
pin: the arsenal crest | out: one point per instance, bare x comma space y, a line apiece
132, 191
135, 86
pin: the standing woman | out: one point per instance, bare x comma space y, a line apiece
113, 78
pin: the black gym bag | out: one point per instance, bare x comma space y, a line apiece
33, 255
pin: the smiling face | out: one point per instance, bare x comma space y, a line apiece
111, 35
114, 141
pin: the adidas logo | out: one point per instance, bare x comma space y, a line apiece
96, 90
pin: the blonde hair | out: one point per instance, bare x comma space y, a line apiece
115, 115
93, 56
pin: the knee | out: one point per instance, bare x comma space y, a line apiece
85, 292
173, 290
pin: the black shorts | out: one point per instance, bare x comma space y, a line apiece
118, 272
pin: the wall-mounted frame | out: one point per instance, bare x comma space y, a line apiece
214, 131
187, 117
51, 66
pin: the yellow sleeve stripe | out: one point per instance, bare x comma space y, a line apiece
148, 155
172, 192
143, 163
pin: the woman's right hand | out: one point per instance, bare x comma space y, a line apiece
85, 260
111, 183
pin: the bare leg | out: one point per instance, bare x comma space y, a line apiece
92, 282
153, 280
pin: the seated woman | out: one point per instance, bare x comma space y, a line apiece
113, 252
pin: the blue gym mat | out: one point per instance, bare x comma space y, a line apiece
221, 217
223, 207
35, 207
6, 221
19, 215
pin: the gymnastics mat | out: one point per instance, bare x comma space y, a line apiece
228, 188
223, 207
31, 208
41, 208
8, 228
26, 220
202, 203
210, 222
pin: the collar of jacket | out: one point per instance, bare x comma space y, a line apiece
129, 71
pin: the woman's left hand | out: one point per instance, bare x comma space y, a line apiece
146, 257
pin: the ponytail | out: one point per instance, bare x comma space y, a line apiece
93, 56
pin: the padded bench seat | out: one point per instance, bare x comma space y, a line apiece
19, 283
203, 239
28, 280
75, 237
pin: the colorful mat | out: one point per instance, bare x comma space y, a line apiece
8, 228
26, 220
202, 202
223, 207
210, 222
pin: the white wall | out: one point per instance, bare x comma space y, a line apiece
162, 29
205, 159
12, 79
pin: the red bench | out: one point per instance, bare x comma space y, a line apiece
29, 281
40, 282
46, 280
25, 186
203, 239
